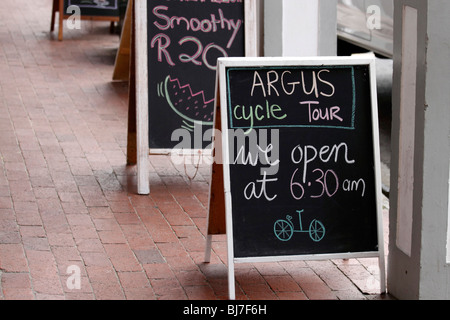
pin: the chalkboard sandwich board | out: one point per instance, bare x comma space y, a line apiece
301, 168
107, 10
177, 46
184, 41
95, 8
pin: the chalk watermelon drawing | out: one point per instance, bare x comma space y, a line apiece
285, 229
192, 107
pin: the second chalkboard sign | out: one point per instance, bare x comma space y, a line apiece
176, 44
77, 10
94, 8
301, 169
185, 39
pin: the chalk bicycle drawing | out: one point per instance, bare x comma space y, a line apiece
285, 229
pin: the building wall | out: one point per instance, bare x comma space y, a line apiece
435, 272
300, 28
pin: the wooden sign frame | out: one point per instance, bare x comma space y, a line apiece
122, 63
220, 217
140, 74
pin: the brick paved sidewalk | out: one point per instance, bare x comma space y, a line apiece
68, 199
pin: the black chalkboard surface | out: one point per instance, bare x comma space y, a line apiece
95, 8
185, 38
303, 171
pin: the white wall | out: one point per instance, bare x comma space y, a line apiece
300, 28
435, 271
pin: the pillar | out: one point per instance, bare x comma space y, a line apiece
418, 259
300, 28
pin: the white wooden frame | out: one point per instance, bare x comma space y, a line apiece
274, 62
142, 111
142, 142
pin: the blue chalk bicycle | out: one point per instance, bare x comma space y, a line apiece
285, 229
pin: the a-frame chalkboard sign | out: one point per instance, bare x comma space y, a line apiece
104, 10
297, 176
177, 44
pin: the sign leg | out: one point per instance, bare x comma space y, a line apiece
132, 133
381, 261
54, 10
231, 284
142, 143
208, 249
61, 20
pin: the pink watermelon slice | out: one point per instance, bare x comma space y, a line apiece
192, 107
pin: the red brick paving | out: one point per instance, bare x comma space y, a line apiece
67, 197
